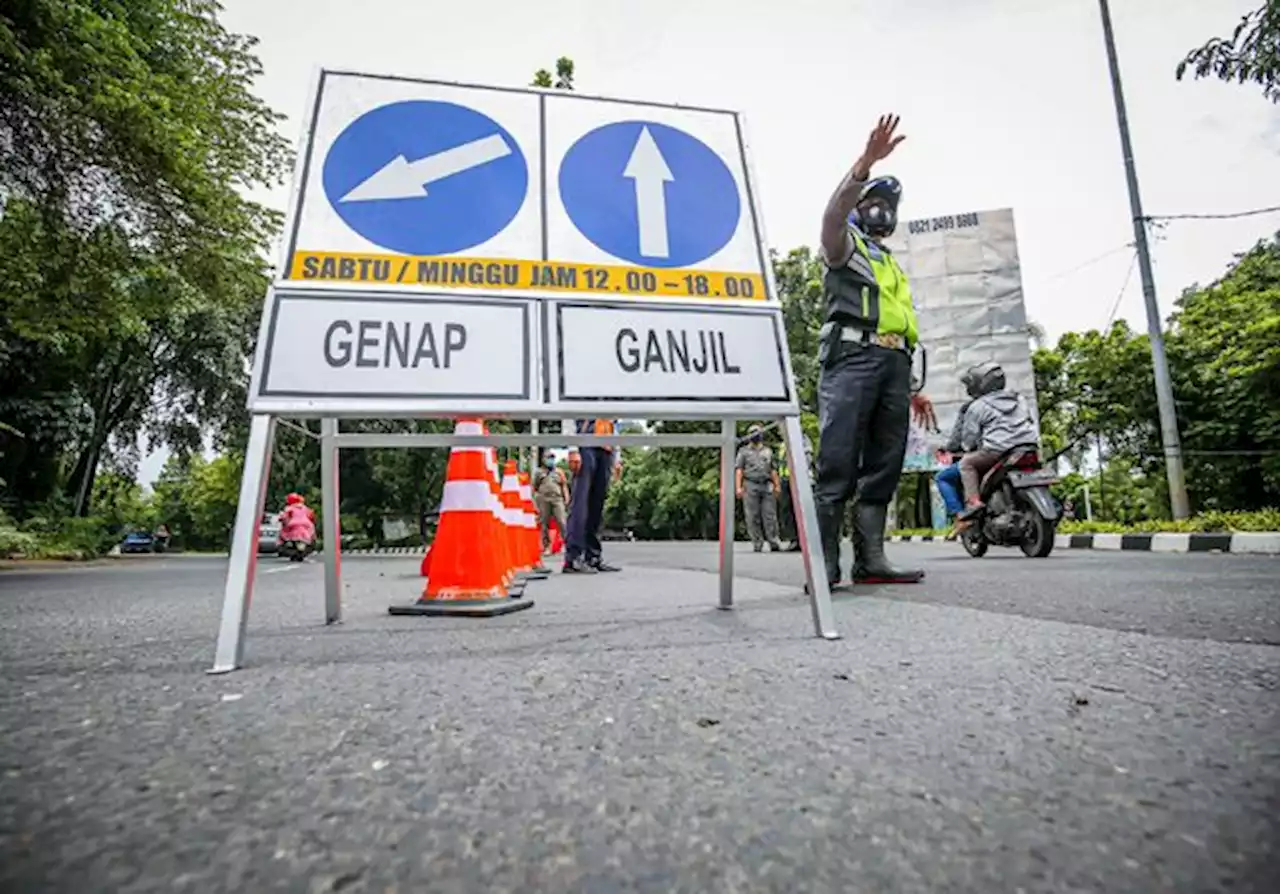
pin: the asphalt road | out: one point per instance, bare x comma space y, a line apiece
1089, 722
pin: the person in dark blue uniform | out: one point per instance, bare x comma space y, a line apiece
582, 551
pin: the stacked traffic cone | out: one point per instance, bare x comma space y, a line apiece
516, 537
466, 572
534, 535
501, 539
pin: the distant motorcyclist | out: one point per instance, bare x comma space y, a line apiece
996, 420
297, 521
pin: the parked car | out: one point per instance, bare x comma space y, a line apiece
269, 535
137, 542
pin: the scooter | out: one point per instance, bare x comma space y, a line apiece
295, 550
1018, 509
297, 539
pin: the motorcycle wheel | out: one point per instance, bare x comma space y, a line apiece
974, 543
1039, 540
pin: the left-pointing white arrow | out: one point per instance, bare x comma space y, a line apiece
404, 179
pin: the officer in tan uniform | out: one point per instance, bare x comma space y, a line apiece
758, 485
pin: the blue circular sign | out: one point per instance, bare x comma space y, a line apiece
649, 194
425, 178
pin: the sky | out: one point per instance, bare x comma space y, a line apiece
1005, 103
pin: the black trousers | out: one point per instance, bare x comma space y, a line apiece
586, 505
864, 412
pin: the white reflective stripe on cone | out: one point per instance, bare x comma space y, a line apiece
468, 496
469, 427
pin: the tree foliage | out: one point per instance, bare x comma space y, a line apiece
131, 259
1251, 54
562, 80
1223, 345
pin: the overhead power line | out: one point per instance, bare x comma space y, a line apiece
1115, 305
1090, 262
1231, 215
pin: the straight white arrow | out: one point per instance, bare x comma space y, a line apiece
649, 171
404, 179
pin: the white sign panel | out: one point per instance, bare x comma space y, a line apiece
966, 281
427, 185
627, 354
362, 348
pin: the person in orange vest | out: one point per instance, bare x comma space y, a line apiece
597, 467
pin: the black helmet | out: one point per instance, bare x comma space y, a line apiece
983, 378
877, 210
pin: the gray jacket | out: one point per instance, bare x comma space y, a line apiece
996, 422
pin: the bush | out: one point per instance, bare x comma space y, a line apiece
1205, 522
15, 544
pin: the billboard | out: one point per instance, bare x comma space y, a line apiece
967, 284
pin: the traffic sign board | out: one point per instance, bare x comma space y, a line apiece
524, 198
425, 177
650, 194
668, 354
665, 189
341, 351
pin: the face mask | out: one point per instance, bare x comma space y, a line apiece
877, 219
757, 438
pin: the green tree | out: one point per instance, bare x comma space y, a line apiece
1251, 54
128, 133
562, 80
1224, 353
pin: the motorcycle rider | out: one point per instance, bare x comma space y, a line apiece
866, 343
996, 420
297, 521
948, 478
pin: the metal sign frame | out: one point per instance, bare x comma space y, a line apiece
266, 413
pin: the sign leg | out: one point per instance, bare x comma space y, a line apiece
728, 454
330, 506
807, 530
244, 546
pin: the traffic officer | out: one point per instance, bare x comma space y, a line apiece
756, 478
582, 550
866, 345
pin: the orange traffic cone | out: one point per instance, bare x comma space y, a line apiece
510, 495
533, 537
425, 568
466, 577
502, 546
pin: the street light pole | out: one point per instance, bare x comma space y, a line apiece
1178, 501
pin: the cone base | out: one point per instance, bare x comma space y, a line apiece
480, 608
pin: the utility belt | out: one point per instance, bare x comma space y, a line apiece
834, 337
891, 340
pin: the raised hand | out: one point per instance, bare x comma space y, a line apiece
883, 140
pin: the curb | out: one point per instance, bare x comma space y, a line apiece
1258, 543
